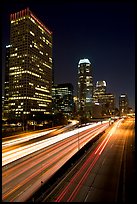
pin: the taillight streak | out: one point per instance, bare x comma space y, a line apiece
98, 150
72, 180
83, 179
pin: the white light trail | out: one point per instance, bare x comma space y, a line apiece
20, 152
25, 138
104, 142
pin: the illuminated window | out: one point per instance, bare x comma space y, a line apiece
32, 33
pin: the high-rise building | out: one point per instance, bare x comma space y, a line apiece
75, 99
100, 89
106, 100
85, 86
2, 107
108, 104
30, 66
62, 96
6, 84
123, 104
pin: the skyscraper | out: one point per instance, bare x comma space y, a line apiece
85, 86
100, 89
6, 84
123, 104
62, 95
106, 100
30, 66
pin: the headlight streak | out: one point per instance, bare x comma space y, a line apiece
25, 138
82, 137
36, 173
93, 155
32, 136
20, 152
91, 137
55, 160
83, 140
108, 136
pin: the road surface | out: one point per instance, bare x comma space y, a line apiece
97, 177
22, 177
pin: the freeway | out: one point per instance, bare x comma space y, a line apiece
25, 137
96, 177
11, 151
23, 175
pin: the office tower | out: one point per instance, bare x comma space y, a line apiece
85, 86
123, 104
100, 89
30, 66
2, 107
104, 99
6, 84
108, 104
96, 110
62, 96
75, 99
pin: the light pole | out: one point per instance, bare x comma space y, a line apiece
78, 141
41, 176
78, 135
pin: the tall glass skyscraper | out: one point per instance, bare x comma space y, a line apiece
62, 96
6, 84
123, 104
30, 66
85, 86
99, 89
106, 100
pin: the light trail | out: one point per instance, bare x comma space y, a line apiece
32, 136
63, 151
36, 173
74, 193
83, 140
25, 138
109, 135
20, 152
86, 163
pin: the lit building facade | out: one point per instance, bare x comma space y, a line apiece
108, 104
62, 96
106, 100
30, 66
2, 107
96, 110
75, 99
6, 84
123, 104
85, 86
100, 89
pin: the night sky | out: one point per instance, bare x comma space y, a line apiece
103, 32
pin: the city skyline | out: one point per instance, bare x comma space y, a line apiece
106, 42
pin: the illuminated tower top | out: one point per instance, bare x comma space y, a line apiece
27, 12
85, 85
82, 61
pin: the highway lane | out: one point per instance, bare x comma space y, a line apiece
9, 142
128, 173
23, 138
96, 177
23, 177
16, 151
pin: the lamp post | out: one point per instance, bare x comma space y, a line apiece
41, 176
78, 142
78, 135
23, 123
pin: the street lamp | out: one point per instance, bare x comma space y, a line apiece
78, 141
78, 136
